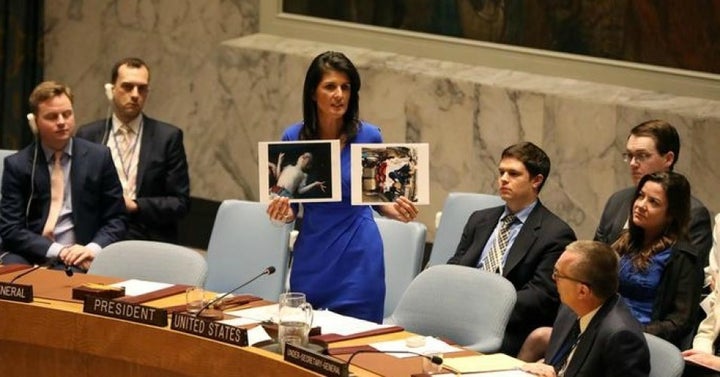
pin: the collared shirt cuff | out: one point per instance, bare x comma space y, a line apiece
95, 248
54, 250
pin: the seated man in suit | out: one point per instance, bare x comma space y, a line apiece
652, 146
520, 240
149, 156
594, 333
61, 197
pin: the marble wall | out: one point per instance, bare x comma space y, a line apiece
229, 88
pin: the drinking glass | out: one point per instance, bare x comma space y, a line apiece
195, 299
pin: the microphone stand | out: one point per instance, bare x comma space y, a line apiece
35, 267
213, 313
67, 268
434, 359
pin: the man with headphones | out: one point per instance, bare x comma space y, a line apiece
61, 198
149, 156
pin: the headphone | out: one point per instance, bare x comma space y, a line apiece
32, 123
33, 127
108, 91
109, 95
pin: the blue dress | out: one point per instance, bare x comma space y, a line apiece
639, 288
338, 255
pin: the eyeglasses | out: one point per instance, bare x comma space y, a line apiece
128, 87
639, 157
556, 275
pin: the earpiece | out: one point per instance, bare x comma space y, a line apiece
109, 94
32, 123
108, 91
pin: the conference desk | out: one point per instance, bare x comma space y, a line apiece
53, 337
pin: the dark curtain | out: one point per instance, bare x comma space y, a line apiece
21, 67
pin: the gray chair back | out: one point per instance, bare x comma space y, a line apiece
466, 305
457, 209
403, 245
152, 261
665, 359
4, 153
242, 244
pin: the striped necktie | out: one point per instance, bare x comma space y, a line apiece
493, 260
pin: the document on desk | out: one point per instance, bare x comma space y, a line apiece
135, 287
329, 322
257, 334
267, 313
502, 373
482, 363
333, 323
432, 346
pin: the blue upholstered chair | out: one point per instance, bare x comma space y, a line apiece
242, 244
466, 305
152, 261
403, 244
665, 358
457, 209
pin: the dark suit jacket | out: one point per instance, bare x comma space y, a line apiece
677, 299
529, 266
613, 344
617, 211
98, 208
163, 184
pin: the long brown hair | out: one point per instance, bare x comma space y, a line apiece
632, 241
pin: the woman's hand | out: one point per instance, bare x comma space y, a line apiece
280, 210
702, 358
402, 210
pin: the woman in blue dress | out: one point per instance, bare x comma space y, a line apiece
338, 255
660, 274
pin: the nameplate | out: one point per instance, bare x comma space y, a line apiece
122, 310
16, 292
325, 365
199, 326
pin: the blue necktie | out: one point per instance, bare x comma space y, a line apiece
558, 361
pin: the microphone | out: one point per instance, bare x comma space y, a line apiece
437, 360
267, 271
68, 271
35, 267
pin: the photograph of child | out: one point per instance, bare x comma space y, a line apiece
305, 171
383, 172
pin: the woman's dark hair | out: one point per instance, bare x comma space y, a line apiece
326, 62
677, 192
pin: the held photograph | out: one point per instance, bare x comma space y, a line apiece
305, 171
383, 172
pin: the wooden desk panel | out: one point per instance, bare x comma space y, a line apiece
41, 340
54, 338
